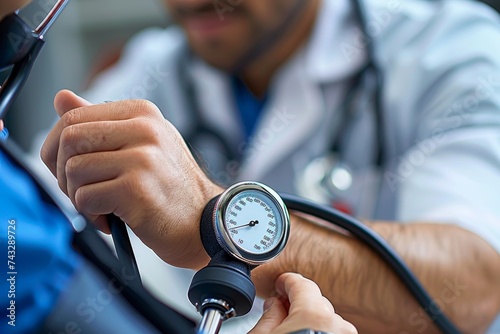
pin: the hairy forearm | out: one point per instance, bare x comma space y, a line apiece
460, 271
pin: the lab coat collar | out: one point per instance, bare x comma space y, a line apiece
333, 52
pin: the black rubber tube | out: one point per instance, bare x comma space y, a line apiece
381, 248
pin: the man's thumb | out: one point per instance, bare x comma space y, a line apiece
66, 100
274, 314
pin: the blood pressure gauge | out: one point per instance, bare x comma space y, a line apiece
245, 226
251, 222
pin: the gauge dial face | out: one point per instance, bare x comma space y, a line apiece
253, 221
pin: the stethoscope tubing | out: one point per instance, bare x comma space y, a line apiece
380, 247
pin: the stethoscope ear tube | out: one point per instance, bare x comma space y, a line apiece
123, 247
381, 248
360, 12
16, 40
17, 78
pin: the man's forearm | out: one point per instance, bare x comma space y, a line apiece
460, 270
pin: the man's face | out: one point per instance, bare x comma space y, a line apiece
222, 31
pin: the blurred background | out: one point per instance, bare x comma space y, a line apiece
86, 37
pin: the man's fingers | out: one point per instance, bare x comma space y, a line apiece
87, 138
305, 297
84, 169
85, 113
308, 307
300, 291
97, 167
74, 110
103, 198
116, 111
98, 199
66, 100
273, 316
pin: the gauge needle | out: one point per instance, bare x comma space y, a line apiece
251, 224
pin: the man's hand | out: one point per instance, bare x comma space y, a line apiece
299, 305
125, 158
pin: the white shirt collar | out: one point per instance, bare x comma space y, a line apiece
331, 53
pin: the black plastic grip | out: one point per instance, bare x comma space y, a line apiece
16, 40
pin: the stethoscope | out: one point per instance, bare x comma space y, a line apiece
330, 174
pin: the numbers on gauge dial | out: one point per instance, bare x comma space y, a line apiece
253, 222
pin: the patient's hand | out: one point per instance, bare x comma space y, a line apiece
125, 158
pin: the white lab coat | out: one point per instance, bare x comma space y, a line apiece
441, 99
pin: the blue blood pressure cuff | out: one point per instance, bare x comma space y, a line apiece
38, 260
4, 134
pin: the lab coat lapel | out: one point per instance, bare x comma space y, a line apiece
217, 104
294, 111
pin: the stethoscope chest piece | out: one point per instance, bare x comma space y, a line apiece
327, 180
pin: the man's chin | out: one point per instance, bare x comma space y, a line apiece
211, 53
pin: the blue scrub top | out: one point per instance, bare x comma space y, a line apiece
36, 238
249, 107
